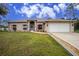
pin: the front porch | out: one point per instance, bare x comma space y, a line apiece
33, 25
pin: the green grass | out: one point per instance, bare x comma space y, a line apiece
27, 43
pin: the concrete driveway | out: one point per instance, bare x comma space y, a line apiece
70, 41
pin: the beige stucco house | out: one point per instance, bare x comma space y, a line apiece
50, 25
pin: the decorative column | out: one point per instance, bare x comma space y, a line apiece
35, 26
28, 25
43, 27
46, 26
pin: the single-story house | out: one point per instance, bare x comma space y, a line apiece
50, 25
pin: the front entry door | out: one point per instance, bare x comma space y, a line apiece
14, 28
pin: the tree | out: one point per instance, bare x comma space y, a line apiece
3, 12
70, 11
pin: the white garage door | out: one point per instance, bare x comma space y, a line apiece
58, 27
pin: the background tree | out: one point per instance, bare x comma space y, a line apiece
70, 13
3, 10
3, 13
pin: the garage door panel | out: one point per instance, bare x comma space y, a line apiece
58, 27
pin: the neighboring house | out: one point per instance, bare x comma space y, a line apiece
49, 25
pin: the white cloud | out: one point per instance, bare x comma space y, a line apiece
77, 7
49, 4
47, 11
25, 4
24, 9
14, 7
22, 15
16, 10
34, 9
10, 4
62, 6
56, 8
29, 11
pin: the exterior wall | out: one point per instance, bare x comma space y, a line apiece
45, 26
19, 26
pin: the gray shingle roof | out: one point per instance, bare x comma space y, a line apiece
40, 20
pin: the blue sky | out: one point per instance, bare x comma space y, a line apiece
19, 11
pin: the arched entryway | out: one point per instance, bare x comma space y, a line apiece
32, 26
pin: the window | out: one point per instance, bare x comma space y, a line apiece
25, 27
14, 26
40, 26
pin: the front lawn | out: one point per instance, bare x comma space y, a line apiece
27, 43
